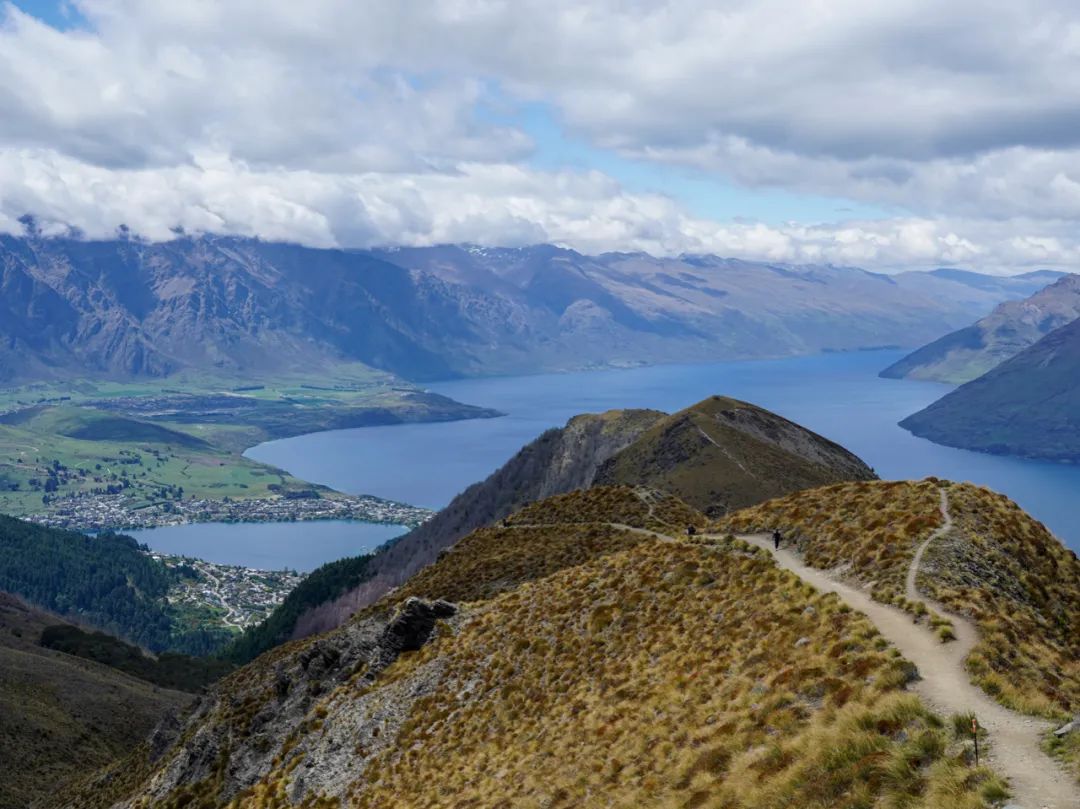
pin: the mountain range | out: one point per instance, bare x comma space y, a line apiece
126, 308
1013, 326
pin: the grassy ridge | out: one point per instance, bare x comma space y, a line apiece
594, 666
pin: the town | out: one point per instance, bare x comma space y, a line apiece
226, 595
92, 512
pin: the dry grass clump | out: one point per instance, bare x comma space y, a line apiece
638, 507
492, 560
669, 674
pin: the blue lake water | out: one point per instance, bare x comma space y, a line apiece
300, 546
837, 395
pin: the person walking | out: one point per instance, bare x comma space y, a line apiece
776, 538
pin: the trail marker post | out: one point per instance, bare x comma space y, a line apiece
975, 735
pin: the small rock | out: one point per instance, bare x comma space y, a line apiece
801, 642
1070, 727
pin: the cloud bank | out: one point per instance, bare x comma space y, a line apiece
364, 123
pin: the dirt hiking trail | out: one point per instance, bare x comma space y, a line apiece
1037, 782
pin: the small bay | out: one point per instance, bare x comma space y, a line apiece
300, 546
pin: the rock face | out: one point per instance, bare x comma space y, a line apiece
235, 732
1013, 326
1028, 405
1069, 727
127, 308
723, 454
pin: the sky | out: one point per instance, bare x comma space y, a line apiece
907, 134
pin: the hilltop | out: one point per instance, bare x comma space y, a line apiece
548, 662
1026, 406
722, 454
1013, 326
62, 717
717, 455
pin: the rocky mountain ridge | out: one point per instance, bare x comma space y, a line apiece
126, 308
718, 455
587, 652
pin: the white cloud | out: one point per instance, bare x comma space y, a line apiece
495, 204
356, 123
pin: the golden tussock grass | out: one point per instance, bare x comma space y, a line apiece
998, 565
668, 674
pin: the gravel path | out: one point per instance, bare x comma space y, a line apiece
1037, 781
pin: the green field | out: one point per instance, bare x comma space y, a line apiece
37, 463
182, 438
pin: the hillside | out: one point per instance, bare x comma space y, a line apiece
1013, 326
717, 455
559, 461
130, 309
996, 566
582, 664
1029, 405
722, 454
62, 717
105, 581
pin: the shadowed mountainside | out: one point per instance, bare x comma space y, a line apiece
61, 717
1029, 405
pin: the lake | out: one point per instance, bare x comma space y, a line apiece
837, 395
300, 546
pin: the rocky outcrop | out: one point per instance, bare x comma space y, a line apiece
230, 740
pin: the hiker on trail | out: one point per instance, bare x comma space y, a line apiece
776, 538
